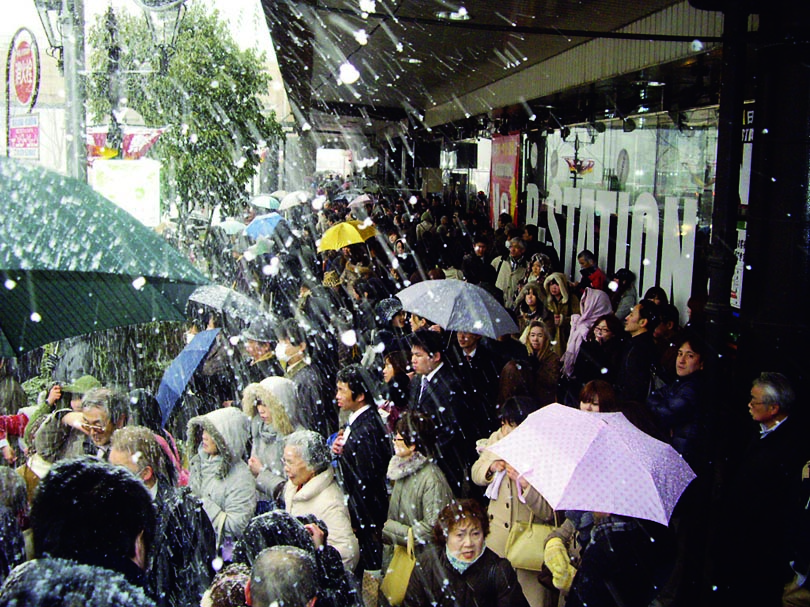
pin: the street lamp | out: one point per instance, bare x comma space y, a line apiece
163, 18
49, 14
63, 22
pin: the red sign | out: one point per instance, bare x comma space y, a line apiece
23, 69
504, 176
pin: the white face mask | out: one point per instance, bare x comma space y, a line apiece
281, 352
188, 337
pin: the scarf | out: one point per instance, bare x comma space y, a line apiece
594, 304
458, 564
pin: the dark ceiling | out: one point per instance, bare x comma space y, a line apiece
415, 58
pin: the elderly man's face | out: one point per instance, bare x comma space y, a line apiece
515, 250
97, 422
762, 412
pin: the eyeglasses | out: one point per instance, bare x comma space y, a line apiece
601, 330
757, 403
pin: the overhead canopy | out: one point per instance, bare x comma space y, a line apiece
419, 56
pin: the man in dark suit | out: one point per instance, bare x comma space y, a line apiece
436, 392
635, 365
363, 451
479, 370
754, 559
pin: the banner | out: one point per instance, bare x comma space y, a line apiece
135, 143
504, 176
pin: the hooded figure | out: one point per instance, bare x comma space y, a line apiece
55, 582
279, 528
269, 404
561, 304
594, 304
218, 472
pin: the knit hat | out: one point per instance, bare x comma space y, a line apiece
82, 385
260, 330
427, 216
386, 309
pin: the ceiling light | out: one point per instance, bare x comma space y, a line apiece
458, 15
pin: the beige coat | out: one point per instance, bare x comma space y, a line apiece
322, 497
507, 509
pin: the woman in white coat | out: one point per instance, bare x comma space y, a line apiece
312, 489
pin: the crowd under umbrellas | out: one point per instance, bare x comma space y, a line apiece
311, 286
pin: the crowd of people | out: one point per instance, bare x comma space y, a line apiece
317, 439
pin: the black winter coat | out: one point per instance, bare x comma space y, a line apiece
362, 466
179, 568
489, 582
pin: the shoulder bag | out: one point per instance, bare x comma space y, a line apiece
398, 574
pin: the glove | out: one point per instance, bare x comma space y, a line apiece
556, 559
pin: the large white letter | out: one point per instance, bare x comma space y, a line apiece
571, 202
587, 218
645, 223
622, 219
605, 208
553, 205
678, 251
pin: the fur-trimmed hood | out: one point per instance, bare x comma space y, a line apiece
279, 396
561, 280
230, 430
539, 293
400, 468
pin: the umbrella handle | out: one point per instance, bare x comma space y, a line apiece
521, 498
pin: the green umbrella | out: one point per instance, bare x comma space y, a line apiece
71, 263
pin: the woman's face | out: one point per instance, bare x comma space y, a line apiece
295, 467
400, 248
537, 267
507, 427
590, 407
465, 541
401, 449
263, 411
537, 338
208, 445
530, 299
416, 323
554, 289
388, 371
602, 333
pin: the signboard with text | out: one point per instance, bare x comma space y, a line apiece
23, 136
504, 175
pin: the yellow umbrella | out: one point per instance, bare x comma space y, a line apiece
346, 233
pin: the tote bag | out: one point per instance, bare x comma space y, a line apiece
398, 574
526, 543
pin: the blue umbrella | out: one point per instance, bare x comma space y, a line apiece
176, 377
263, 226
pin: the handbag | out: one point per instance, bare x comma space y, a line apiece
526, 542
398, 574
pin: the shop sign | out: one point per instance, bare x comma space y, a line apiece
23, 69
23, 136
504, 175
